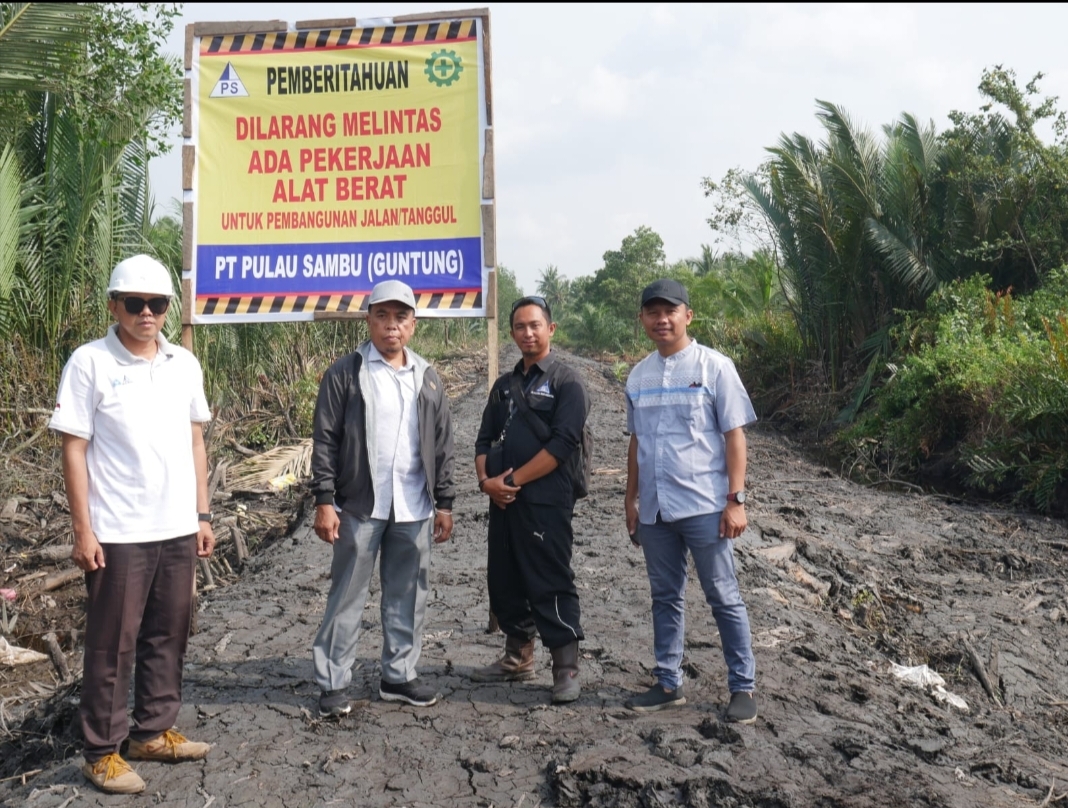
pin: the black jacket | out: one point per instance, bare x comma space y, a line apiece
556, 395
344, 418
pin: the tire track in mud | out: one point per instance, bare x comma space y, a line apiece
840, 580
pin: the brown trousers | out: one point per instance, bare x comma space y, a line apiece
138, 610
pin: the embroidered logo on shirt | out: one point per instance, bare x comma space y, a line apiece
695, 384
119, 382
543, 390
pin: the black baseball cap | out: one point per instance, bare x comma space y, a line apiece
666, 289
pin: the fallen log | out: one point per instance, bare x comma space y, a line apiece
53, 552
61, 579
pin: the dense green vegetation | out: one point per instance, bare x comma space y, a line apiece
906, 286
909, 285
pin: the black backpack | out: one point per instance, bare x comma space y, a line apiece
580, 465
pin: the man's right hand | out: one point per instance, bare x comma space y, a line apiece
499, 491
326, 523
87, 554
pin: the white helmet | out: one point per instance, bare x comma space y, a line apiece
141, 273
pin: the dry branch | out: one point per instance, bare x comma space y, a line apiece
239, 544
980, 672
61, 579
59, 659
205, 570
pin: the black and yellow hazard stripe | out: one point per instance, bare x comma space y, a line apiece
413, 34
298, 304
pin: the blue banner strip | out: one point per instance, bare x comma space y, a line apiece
433, 265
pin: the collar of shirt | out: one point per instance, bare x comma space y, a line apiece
122, 354
541, 366
375, 356
685, 353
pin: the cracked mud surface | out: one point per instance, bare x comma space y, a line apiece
840, 580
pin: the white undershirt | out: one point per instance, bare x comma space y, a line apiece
400, 480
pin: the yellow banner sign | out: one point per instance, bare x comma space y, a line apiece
327, 161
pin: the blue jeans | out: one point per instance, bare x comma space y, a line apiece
665, 545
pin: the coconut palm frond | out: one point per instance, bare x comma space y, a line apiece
36, 40
256, 473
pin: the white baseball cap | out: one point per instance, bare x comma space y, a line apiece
141, 273
392, 290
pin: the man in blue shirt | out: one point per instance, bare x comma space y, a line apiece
686, 409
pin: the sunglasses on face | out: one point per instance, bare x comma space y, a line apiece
136, 305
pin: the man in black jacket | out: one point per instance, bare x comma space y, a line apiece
530, 429
382, 477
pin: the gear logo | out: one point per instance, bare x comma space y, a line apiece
443, 68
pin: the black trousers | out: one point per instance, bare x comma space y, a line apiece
531, 584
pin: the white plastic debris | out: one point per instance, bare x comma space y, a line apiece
926, 679
918, 676
282, 482
13, 655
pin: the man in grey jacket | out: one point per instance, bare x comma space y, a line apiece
382, 467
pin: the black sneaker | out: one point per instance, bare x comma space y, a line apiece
414, 692
334, 704
655, 698
742, 709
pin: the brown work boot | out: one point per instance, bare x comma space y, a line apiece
565, 673
517, 664
170, 747
113, 775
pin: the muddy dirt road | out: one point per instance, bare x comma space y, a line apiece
840, 581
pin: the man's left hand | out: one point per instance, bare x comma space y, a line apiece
205, 540
733, 521
442, 527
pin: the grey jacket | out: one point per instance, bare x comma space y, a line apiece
344, 435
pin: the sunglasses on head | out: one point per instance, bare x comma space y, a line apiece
136, 305
531, 300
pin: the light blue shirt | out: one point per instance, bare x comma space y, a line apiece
679, 407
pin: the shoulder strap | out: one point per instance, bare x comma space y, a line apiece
519, 398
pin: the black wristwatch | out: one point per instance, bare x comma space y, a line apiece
206, 517
736, 496
509, 481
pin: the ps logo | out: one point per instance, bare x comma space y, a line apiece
229, 85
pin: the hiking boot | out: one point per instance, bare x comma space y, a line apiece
517, 664
113, 775
655, 698
170, 747
565, 673
334, 704
742, 709
414, 692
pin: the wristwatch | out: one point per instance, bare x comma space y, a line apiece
510, 481
736, 496
206, 517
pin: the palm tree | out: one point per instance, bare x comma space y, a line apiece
554, 288
72, 205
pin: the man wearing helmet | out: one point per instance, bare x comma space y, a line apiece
130, 408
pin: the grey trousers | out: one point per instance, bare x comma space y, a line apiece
405, 575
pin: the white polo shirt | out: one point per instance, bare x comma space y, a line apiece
136, 415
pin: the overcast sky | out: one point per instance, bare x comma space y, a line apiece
607, 122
